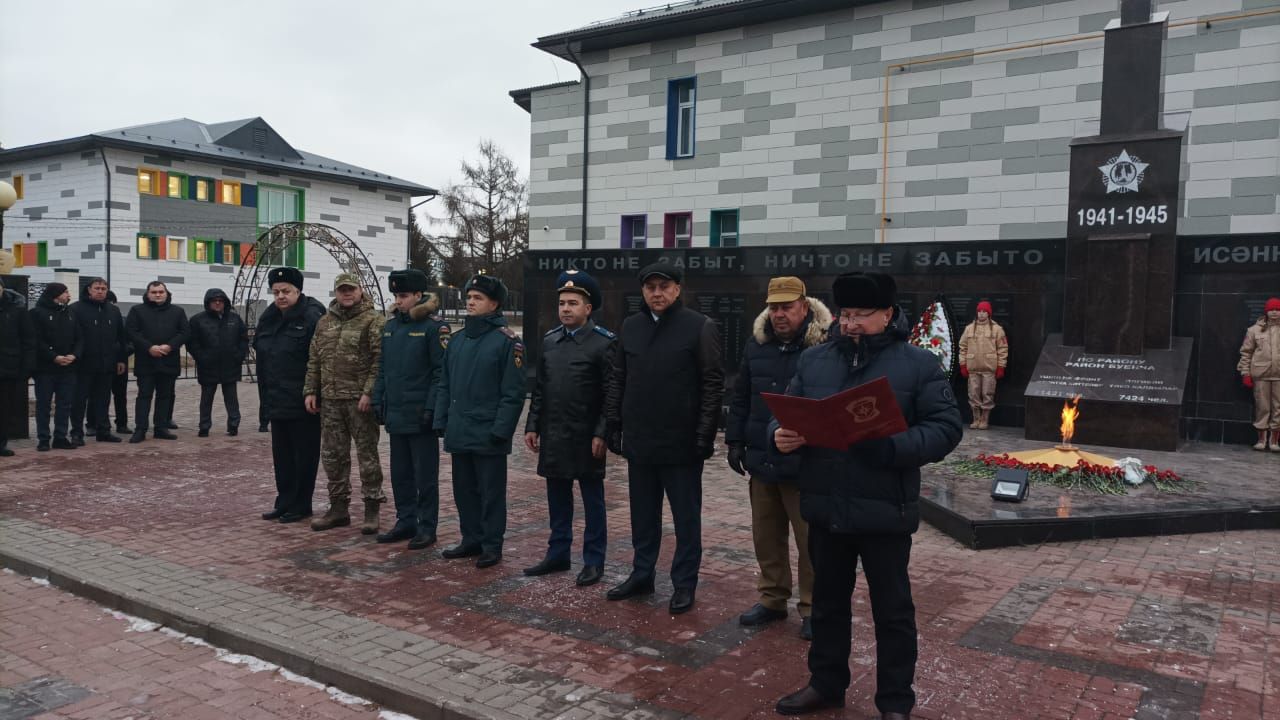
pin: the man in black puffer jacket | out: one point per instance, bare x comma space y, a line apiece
791, 322
58, 347
662, 410
158, 329
103, 359
219, 342
282, 346
862, 503
17, 361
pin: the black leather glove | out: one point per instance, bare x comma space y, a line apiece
439, 432
876, 453
737, 455
707, 449
614, 440
427, 417
378, 415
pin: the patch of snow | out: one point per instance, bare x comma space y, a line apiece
136, 624
40, 581
389, 715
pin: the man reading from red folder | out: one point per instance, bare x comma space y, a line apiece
861, 502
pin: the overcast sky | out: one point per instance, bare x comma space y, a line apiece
405, 87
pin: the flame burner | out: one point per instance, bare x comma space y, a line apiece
1064, 454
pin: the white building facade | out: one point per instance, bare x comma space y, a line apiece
183, 202
746, 122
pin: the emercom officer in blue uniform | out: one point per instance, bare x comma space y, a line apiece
404, 398
663, 409
477, 407
566, 426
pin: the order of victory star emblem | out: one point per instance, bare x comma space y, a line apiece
1123, 173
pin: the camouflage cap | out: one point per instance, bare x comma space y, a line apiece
347, 279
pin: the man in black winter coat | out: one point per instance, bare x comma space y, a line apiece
791, 322
219, 343
662, 410
17, 360
862, 503
158, 329
282, 346
58, 347
566, 426
103, 360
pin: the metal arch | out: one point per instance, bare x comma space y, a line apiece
273, 243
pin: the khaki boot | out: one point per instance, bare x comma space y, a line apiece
1262, 441
335, 516
1275, 441
370, 524
983, 417
977, 417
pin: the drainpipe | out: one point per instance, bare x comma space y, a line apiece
586, 138
107, 244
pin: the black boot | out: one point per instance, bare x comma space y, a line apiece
138, 436
4, 448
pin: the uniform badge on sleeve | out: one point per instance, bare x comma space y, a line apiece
445, 333
518, 352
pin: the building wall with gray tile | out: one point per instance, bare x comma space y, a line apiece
67, 207
790, 124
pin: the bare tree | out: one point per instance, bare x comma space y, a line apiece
486, 221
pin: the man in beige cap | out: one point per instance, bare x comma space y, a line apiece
341, 373
791, 322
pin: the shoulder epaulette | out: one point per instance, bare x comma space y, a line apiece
553, 330
605, 332
508, 332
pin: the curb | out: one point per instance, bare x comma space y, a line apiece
387, 692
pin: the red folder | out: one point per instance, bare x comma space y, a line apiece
866, 412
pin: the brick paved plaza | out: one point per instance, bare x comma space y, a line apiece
1183, 626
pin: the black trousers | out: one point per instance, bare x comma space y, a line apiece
884, 559
295, 452
120, 396
51, 387
682, 485
263, 420
13, 400
480, 492
560, 509
160, 386
93, 397
230, 400
415, 480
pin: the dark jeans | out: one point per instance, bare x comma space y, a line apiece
415, 480
295, 452
884, 563
560, 508
480, 491
161, 386
682, 485
50, 387
93, 396
230, 400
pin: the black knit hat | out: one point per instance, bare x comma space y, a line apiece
410, 280
865, 290
489, 285
293, 276
52, 291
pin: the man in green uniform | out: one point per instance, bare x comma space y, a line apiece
477, 407
340, 375
404, 398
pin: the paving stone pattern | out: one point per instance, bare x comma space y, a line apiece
1164, 627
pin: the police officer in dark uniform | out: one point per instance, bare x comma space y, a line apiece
566, 426
404, 398
862, 502
663, 408
478, 405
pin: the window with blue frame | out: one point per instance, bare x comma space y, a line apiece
682, 97
635, 231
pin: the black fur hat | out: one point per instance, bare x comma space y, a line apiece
489, 285
293, 276
865, 290
410, 280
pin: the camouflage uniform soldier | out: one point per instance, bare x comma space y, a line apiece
340, 377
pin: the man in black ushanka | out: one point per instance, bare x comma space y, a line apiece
566, 427
662, 409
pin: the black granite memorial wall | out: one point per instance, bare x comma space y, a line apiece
1221, 284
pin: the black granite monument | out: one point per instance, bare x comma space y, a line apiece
1117, 347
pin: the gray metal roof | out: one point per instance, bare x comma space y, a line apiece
682, 19
522, 96
239, 142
